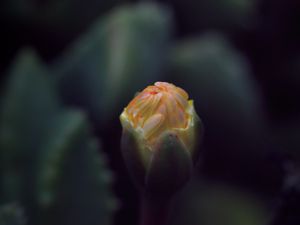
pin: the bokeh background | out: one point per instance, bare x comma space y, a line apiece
69, 67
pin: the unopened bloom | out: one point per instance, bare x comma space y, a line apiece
160, 127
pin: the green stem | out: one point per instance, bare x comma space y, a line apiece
154, 211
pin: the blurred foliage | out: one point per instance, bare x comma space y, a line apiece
103, 69
215, 203
50, 163
219, 79
54, 112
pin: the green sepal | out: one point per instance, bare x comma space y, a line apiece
198, 138
170, 168
193, 135
136, 155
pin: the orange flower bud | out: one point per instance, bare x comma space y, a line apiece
157, 119
159, 108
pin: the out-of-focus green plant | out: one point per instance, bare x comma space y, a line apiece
118, 55
215, 203
219, 79
50, 163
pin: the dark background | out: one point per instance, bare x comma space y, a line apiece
250, 152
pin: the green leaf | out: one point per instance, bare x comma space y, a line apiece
29, 106
119, 55
67, 126
74, 182
49, 160
213, 71
219, 80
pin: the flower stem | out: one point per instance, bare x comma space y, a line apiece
154, 211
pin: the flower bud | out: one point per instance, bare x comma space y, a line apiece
160, 134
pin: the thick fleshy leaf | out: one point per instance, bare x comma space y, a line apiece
49, 160
119, 55
218, 78
62, 133
74, 183
29, 106
226, 97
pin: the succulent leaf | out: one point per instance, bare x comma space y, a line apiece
119, 54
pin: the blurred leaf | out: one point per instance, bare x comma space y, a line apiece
218, 79
119, 55
211, 67
229, 103
49, 160
54, 153
11, 214
74, 183
29, 107
217, 204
